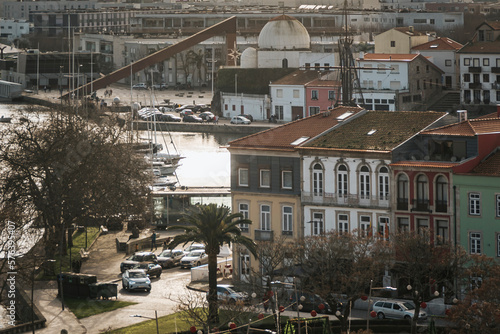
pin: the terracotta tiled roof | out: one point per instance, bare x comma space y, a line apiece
283, 136
424, 164
481, 47
389, 57
489, 167
495, 25
377, 130
441, 43
299, 77
406, 30
323, 83
492, 115
468, 128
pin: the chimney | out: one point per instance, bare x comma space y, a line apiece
410, 28
462, 115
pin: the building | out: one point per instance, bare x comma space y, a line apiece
397, 81
266, 181
322, 93
400, 40
442, 52
13, 29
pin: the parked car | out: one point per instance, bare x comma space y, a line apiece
249, 117
141, 85
396, 309
192, 119
207, 116
240, 120
311, 302
185, 106
186, 112
193, 247
201, 108
170, 258
136, 259
152, 269
161, 86
167, 109
134, 279
194, 259
227, 294
170, 118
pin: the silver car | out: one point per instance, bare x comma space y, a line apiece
170, 258
194, 259
396, 309
134, 279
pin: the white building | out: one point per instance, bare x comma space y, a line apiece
13, 29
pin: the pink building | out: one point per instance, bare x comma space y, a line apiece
321, 94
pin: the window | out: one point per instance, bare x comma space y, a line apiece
313, 110
286, 179
402, 192
442, 233
244, 266
314, 94
331, 95
475, 243
265, 217
307, 66
243, 209
418, 84
317, 224
441, 194
422, 193
474, 204
342, 180
343, 224
467, 77
418, 69
265, 178
243, 177
279, 93
403, 224
393, 44
296, 94
287, 214
394, 68
383, 228
383, 183
466, 61
498, 206
486, 61
278, 111
498, 244
365, 226
422, 225
486, 77
447, 62
318, 180
364, 182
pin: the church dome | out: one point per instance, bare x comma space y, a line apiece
284, 32
249, 58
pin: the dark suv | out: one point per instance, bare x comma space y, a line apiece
139, 257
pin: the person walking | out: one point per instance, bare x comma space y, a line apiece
153, 240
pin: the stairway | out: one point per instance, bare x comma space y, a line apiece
446, 102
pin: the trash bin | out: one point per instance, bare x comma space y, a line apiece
50, 267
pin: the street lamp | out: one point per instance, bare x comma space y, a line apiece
278, 283
155, 318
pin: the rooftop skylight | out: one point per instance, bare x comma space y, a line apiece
299, 141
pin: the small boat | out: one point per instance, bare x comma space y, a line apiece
164, 182
4, 119
162, 169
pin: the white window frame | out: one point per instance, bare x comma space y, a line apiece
318, 223
440, 228
342, 223
475, 243
498, 244
364, 184
262, 178
284, 174
265, 217
245, 267
287, 219
279, 93
240, 177
365, 223
296, 94
474, 204
314, 94
317, 181
383, 184
497, 206
383, 227
342, 181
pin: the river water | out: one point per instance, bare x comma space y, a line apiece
206, 162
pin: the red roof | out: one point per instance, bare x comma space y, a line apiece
441, 43
424, 164
282, 137
299, 77
324, 83
468, 128
489, 167
481, 47
389, 57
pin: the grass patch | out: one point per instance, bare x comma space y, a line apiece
83, 308
78, 243
173, 323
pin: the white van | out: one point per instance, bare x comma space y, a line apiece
396, 309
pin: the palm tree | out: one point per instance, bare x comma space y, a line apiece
213, 226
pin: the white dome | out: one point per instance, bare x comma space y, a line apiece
249, 58
284, 32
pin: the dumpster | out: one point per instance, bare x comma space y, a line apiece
103, 290
75, 285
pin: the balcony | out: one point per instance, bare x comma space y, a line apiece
495, 70
402, 204
441, 206
495, 85
475, 69
421, 205
263, 235
475, 85
345, 199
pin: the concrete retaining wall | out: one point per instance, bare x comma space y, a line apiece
200, 127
